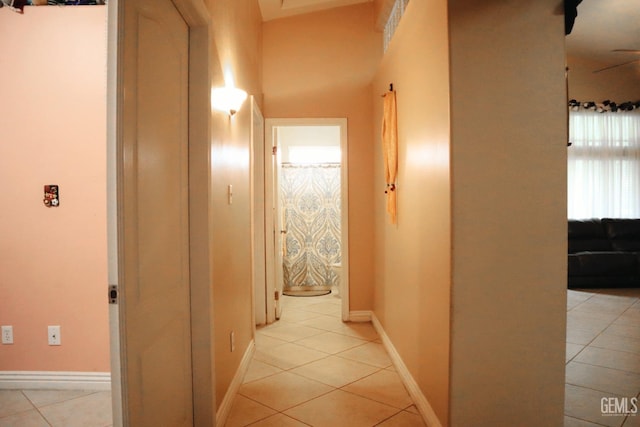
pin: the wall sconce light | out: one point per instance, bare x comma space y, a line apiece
228, 99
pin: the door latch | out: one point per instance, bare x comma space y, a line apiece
113, 294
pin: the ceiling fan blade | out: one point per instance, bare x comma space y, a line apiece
617, 65
627, 50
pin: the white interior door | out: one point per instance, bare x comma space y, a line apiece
153, 217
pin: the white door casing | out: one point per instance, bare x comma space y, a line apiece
273, 216
258, 215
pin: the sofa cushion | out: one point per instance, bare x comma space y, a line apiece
587, 235
624, 234
603, 264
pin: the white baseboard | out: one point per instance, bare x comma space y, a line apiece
427, 412
360, 316
54, 380
225, 407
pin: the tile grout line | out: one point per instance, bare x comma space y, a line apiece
377, 369
587, 421
46, 420
616, 318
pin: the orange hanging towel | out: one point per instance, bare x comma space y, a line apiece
390, 151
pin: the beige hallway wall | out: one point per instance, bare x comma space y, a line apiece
321, 65
236, 53
412, 265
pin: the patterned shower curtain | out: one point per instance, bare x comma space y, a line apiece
311, 205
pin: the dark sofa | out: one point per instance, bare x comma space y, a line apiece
604, 253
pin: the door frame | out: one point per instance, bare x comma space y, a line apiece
270, 196
258, 224
196, 15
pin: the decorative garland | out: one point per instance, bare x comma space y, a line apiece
18, 5
75, 2
604, 106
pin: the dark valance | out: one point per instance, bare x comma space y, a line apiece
604, 106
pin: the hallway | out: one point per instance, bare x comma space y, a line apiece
309, 368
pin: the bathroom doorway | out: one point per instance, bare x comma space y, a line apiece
307, 205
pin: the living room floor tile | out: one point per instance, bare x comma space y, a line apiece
572, 350
624, 328
617, 342
610, 359
580, 336
577, 297
632, 421
575, 422
584, 403
614, 381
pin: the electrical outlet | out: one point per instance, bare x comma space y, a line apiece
54, 335
7, 334
232, 341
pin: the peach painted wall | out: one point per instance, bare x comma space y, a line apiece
509, 221
619, 84
53, 261
412, 267
325, 70
236, 45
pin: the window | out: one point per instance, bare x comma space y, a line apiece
604, 165
394, 19
303, 154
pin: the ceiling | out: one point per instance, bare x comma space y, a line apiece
605, 25
274, 9
601, 26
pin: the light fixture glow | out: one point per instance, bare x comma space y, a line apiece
228, 99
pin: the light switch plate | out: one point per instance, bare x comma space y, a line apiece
54, 335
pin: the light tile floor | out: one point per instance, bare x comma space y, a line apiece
55, 408
603, 355
311, 369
